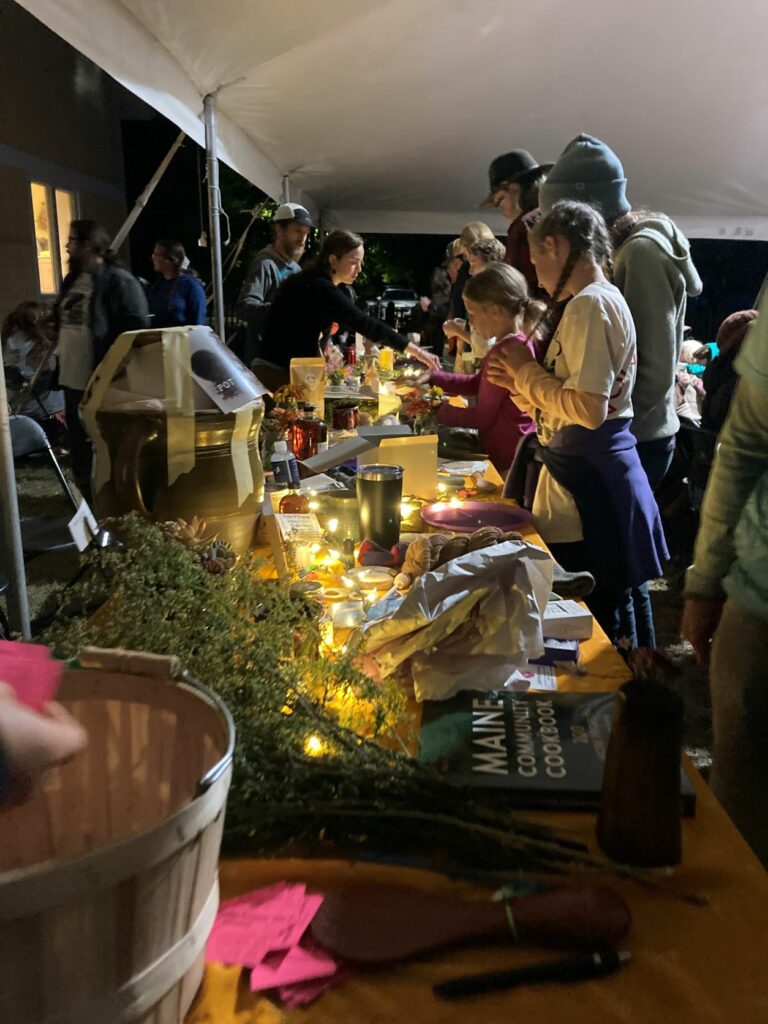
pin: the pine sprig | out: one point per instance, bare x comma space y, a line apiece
258, 647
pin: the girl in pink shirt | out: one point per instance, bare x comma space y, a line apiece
499, 307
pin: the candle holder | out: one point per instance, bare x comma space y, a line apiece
410, 513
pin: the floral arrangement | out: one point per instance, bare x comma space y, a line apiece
334, 358
279, 421
422, 407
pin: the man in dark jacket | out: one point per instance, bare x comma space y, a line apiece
98, 301
271, 266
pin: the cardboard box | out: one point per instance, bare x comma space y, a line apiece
567, 620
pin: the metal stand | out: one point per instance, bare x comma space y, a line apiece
13, 554
143, 199
214, 213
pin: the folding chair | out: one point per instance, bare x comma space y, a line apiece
40, 534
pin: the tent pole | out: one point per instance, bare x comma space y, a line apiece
214, 212
12, 552
286, 193
141, 202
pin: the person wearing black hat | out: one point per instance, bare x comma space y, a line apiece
271, 266
514, 179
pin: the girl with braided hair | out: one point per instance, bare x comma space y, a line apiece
593, 504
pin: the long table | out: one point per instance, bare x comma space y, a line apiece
691, 964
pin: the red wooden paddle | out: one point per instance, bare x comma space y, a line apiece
372, 924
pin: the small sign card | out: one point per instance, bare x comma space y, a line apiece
299, 528
83, 526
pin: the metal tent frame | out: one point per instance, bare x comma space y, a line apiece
11, 548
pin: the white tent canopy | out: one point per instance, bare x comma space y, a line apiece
386, 113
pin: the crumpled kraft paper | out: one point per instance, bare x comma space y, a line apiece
485, 605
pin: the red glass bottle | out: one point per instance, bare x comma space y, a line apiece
307, 434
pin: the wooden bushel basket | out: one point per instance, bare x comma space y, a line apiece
109, 874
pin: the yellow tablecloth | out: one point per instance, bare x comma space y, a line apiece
690, 964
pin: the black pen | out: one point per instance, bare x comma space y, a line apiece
572, 968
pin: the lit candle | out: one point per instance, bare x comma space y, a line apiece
313, 746
302, 556
333, 525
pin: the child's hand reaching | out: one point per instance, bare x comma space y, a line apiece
456, 329
505, 365
33, 743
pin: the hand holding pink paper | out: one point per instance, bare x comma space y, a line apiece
30, 671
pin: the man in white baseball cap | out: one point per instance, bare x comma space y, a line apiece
291, 225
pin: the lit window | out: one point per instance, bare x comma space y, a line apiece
65, 214
52, 212
43, 240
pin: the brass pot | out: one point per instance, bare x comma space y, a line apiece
139, 479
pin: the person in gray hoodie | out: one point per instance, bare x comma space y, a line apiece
653, 269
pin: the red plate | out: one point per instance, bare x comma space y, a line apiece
471, 515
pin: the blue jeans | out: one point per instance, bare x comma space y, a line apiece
656, 458
613, 611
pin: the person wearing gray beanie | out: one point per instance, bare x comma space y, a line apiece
653, 269
590, 172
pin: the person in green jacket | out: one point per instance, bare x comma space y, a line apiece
726, 595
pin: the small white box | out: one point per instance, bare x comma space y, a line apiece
567, 620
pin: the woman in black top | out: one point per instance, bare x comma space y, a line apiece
308, 303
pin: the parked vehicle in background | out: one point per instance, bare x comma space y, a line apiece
395, 304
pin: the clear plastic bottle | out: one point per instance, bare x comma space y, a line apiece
285, 469
322, 441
